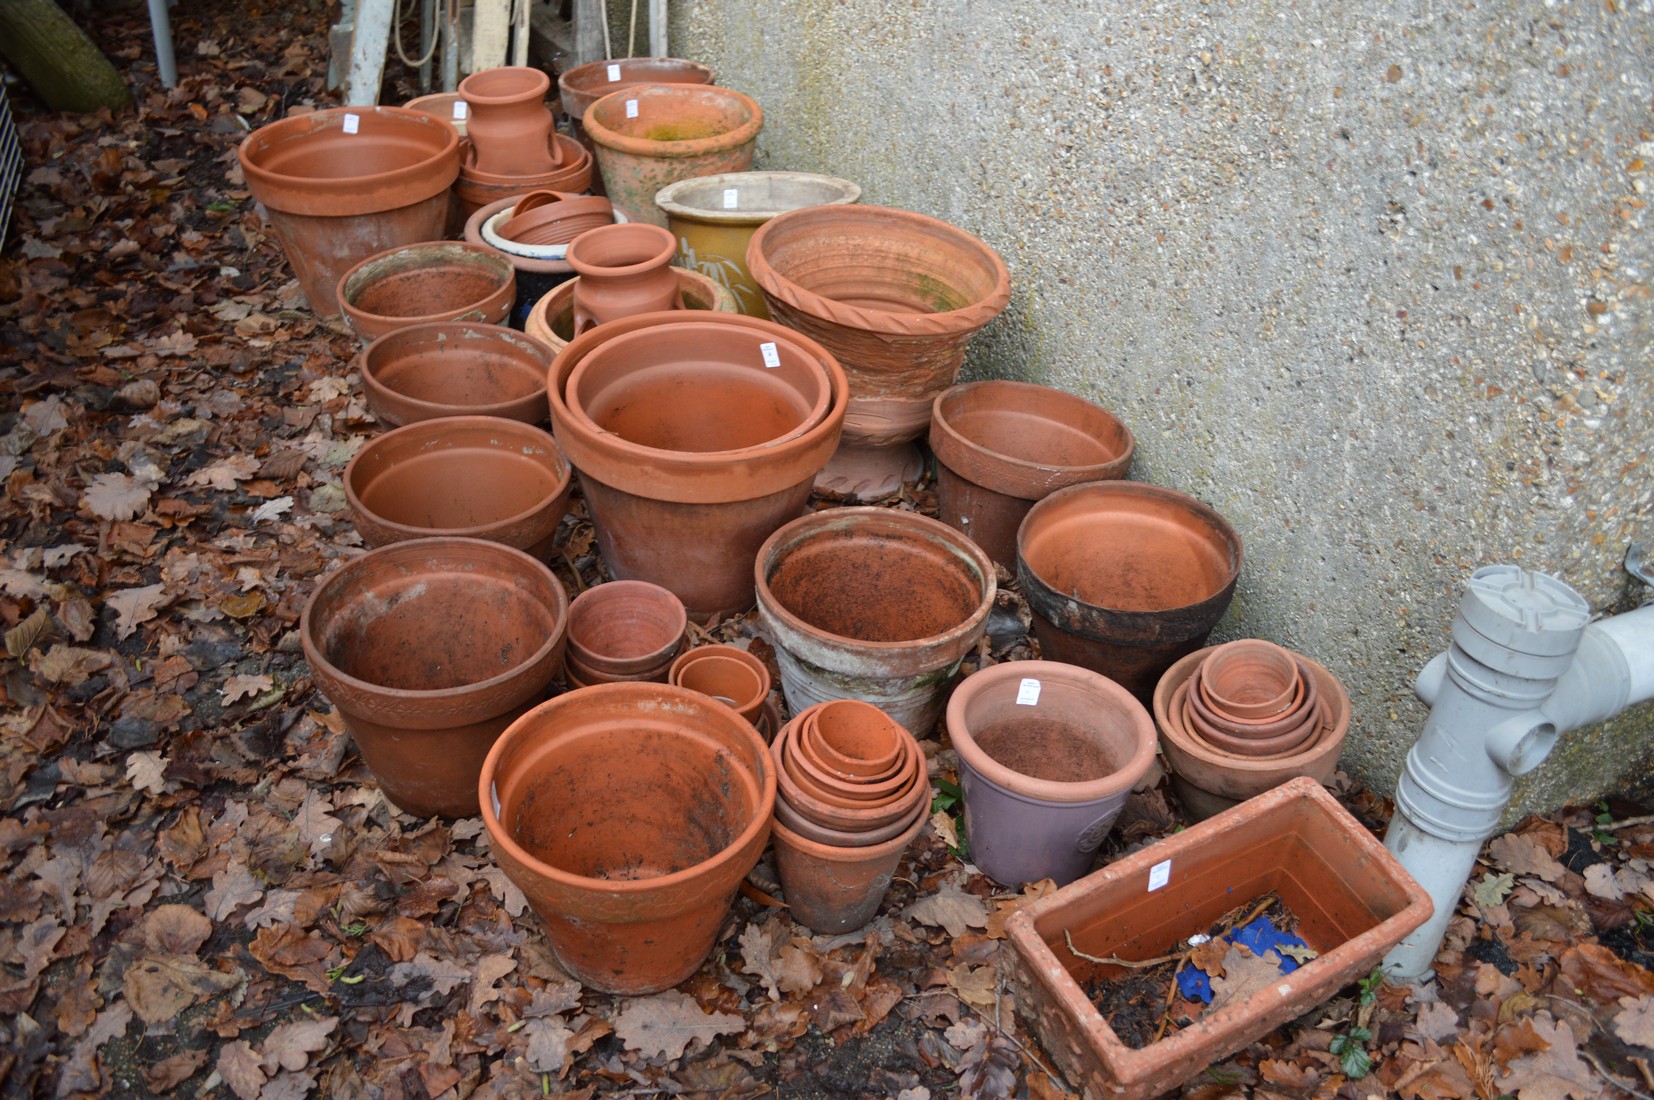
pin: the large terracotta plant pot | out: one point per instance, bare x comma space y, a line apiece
703, 474
343, 184
622, 270
551, 319
1352, 899
584, 85
714, 218
872, 604
426, 282
1001, 446
509, 124
628, 814
455, 368
482, 477
1124, 578
429, 649
652, 135
896, 296
1048, 754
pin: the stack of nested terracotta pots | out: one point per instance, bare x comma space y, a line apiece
852, 794
732, 676
511, 145
1238, 719
624, 630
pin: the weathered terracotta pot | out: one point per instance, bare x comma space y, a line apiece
1048, 754
551, 319
852, 740
510, 125
830, 803
651, 135
625, 630
896, 296
622, 270
448, 106
687, 504
1124, 578
714, 218
1207, 780
832, 889
872, 604
429, 648
1000, 446
477, 187
1251, 679
455, 368
584, 85
727, 673
426, 282
628, 814
343, 184
1284, 731
482, 477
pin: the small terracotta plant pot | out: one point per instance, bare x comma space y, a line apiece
1207, 780
824, 803
626, 630
831, 888
896, 296
558, 222
584, 85
448, 106
672, 509
872, 604
727, 673
482, 477
551, 319
1352, 899
430, 648
476, 187
1001, 446
628, 814
1048, 754
344, 184
854, 740
651, 135
425, 283
1250, 679
714, 218
509, 124
455, 368
622, 269
1124, 578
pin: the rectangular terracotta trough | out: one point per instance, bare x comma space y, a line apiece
1352, 899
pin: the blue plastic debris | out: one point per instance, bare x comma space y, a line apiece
1257, 936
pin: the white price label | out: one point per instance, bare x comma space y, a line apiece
772, 357
1028, 693
614, 73
460, 107
494, 795
353, 123
732, 198
1159, 875
631, 108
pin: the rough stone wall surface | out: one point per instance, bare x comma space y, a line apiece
1370, 279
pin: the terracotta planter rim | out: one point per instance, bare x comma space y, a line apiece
601, 134
726, 653
533, 260
433, 254
677, 199
544, 313
837, 853
371, 382
520, 82
659, 596
1024, 478
351, 194
548, 215
664, 245
572, 158
576, 79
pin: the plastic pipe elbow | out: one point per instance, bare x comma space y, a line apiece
1520, 744
1428, 684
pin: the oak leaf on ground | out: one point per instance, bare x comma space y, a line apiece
664, 1025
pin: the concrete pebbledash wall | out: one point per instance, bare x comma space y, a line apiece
1373, 280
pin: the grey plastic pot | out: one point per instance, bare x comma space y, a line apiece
1064, 721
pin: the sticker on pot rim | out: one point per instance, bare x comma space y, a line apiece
1028, 692
460, 107
631, 108
614, 73
494, 796
1160, 874
772, 357
732, 198
353, 122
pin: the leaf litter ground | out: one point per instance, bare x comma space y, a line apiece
205, 894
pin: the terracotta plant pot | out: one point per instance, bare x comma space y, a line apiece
1048, 754
872, 604
623, 270
551, 319
429, 649
510, 125
1251, 679
448, 106
1001, 446
896, 296
427, 282
477, 187
1208, 780
481, 477
540, 269
551, 223
872, 812
727, 673
1352, 899
714, 218
1124, 578
651, 135
584, 85
689, 507
832, 889
628, 814
455, 368
625, 630
343, 184
853, 743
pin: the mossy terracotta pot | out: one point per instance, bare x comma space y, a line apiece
684, 487
652, 135
1352, 900
426, 282
713, 219
622, 270
1124, 578
896, 297
455, 368
551, 319
1001, 446
476, 187
509, 125
628, 814
584, 85
483, 477
728, 673
872, 604
343, 184
625, 630
430, 648
1048, 754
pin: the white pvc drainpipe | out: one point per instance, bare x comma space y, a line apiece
1526, 664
